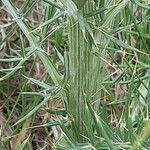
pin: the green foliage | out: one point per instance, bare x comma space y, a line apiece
95, 59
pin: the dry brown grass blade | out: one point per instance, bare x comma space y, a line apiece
6, 130
23, 134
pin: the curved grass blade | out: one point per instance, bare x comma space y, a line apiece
50, 124
46, 99
34, 43
96, 12
54, 4
49, 21
146, 6
122, 44
9, 34
100, 129
10, 59
66, 63
70, 7
33, 94
22, 146
10, 69
39, 83
9, 74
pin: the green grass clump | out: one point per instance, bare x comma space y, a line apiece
75, 74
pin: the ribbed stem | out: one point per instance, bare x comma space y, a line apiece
79, 54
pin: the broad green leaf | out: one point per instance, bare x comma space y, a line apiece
58, 38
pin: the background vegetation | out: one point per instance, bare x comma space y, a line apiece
74, 74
